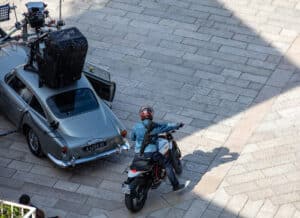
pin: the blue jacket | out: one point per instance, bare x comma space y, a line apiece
139, 131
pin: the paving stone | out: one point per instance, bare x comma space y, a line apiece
51, 212
246, 177
10, 183
68, 186
198, 114
263, 49
10, 194
241, 188
293, 176
267, 210
211, 10
99, 193
4, 161
45, 191
278, 170
285, 198
77, 208
272, 181
6, 172
219, 201
286, 210
254, 78
222, 56
297, 214
197, 209
35, 178
260, 194
237, 82
50, 171
236, 203
126, 7
279, 78
143, 17
197, 58
231, 73
262, 64
104, 203
267, 92
251, 208
154, 56
20, 165
229, 42
201, 44
211, 214
41, 201
193, 35
173, 68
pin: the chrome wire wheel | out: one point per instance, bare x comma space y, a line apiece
34, 143
33, 140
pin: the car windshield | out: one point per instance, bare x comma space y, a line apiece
72, 102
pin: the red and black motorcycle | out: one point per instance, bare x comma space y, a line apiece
145, 174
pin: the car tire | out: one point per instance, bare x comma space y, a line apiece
34, 143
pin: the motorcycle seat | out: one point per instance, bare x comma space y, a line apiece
141, 163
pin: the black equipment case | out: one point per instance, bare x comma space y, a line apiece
62, 60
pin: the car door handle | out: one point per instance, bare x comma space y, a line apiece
20, 109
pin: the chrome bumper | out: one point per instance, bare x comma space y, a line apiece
73, 161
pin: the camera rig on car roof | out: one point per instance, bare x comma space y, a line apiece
56, 55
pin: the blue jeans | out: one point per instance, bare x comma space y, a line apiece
166, 163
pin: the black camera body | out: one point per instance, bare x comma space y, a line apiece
36, 14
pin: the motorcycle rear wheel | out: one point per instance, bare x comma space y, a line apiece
136, 201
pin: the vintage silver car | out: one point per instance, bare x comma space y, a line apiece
70, 125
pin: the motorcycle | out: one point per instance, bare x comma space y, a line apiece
145, 174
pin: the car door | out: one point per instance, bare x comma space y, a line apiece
100, 80
12, 103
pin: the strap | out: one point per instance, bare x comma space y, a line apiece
147, 135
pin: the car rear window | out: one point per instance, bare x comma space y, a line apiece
72, 102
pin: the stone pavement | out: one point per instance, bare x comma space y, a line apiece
229, 69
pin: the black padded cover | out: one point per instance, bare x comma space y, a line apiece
63, 57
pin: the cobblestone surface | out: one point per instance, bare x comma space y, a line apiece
229, 69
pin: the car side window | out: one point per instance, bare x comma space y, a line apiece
37, 106
16, 84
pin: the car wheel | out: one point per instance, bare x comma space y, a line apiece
34, 143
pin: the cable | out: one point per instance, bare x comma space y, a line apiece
7, 132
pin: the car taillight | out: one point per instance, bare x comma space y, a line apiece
123, 133
64, 149
133, 170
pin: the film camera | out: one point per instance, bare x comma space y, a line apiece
36, 14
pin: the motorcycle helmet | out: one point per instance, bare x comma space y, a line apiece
146, 112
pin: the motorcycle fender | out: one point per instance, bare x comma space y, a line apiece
132, 174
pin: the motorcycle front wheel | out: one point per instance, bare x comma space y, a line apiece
175, 156
136, 200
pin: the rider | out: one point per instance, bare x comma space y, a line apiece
151, 148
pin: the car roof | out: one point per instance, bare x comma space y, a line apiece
31, 80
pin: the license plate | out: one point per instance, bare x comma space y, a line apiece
125, 188
95, 146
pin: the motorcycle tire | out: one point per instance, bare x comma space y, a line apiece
175, 159
136, 201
